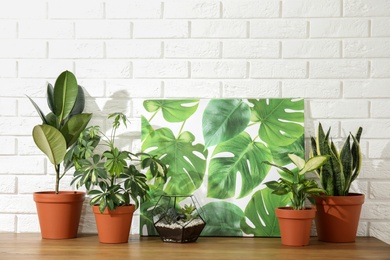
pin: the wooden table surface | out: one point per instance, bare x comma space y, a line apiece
31, 247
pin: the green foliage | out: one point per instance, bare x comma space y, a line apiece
172, 110
342, 168
114, 171
297, 185
187, 211
62, 126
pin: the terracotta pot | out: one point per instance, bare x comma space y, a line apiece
295, 225
338, 217
114, 225
59, 214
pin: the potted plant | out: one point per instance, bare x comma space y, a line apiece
59, 211
295, 221
338, 210
113, 180
177, 219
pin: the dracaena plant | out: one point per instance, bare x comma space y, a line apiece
294, 183
113, 178
64, 123
343, 167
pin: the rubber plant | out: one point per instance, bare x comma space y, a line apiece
343, 167
64, 123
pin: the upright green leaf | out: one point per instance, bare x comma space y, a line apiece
239, 155
280, 120
74, 126
173, 110
51, 142
224, 119
79, 104
50, 98
65, 94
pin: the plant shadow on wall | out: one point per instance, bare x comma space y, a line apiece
219, 145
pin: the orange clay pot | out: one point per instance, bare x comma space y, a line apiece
114, 225
295, 225
338, 217
59, 214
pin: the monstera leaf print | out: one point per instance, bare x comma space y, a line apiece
222, 218
186, 161
279, 120
240, 155
280, 153
223, 119
172, 110
260, 212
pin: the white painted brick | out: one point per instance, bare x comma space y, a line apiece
8, 107
103, 68
8, 29
339, 109
133, 9
366, 88
339, 28
219, 69
218, 29
380, 108
133, 88
26, 108
26, 146
251, 49
134, 49
20, 204
22, 87
380, 190
160, 69
192, 89
375, 169
311, 8
23, 49
8, 145
17, 126
76, 49
370, 48
31, 184
338, 69
92, 88
48, 29
380, 27
74, 9
43, 68
311, 49
373, 128
366, 8
22, 165
380, 68
380, 230
8, 223
278, 69
8, 69
103, 29
278, 28
375, 210
251, 88
107, 106
160, 29
7, 184
379, 149
21, 9
311, 88
250, 9
28, 223
192, 9
192, 49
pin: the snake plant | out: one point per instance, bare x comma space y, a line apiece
343, 166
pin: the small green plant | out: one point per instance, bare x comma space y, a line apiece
64, 123
294, 183
342, 168
187, 210
115, 172
183, 214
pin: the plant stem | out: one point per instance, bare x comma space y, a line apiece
57, 168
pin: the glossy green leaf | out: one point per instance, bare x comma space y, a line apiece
222, 218
79, 105
239, 155
51, 142
280, 153
173, 110
280, 120
74, 126
260, 219
50, 98
224, 119
65, 94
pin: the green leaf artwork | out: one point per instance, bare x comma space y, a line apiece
214, 149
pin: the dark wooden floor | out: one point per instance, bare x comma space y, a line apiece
31, 247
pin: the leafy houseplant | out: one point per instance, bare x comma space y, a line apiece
338, 212
58, 132
299, 188
114, 174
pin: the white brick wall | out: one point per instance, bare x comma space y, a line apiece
333, 53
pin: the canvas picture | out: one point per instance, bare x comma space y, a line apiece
215, 149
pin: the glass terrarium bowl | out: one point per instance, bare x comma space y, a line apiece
178, 219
